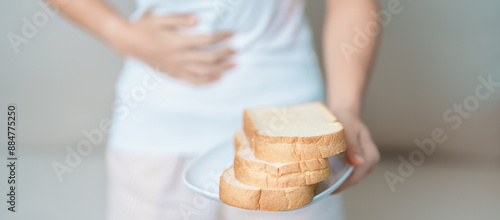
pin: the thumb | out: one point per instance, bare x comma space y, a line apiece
177, 20
354, 152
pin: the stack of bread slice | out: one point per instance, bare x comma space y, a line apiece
280, 156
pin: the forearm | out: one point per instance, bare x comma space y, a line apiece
347, 59
94, 15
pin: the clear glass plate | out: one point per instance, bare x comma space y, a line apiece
203, 173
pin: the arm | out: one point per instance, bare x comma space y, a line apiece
349, 40
348, 60
155, 40
96, 16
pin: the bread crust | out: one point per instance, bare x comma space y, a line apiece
282, 149
265, 199
266, 175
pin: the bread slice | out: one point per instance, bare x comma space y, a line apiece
237, 194
294, 133
254, 172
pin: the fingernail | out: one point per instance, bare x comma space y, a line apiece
359, 158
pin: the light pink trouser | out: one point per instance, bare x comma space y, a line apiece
151, 188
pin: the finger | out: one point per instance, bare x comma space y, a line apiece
147, 13
371, 156
354, 152
210, 57
203, 40
357, 175
176, 20
343, 187
198, 80
349, 182
208, 69
370, 150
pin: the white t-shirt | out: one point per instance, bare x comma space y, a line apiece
276, 66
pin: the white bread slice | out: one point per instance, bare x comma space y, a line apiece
294, 133
237, 194
255, 172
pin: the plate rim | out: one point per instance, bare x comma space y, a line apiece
191, 186
216, 196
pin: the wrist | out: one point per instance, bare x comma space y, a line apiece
345, 90
116, 33
345, 99
340, 107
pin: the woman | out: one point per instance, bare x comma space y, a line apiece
192, 66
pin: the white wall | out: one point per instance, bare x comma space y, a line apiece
62, 80
430, 55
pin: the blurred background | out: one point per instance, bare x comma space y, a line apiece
431, 57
